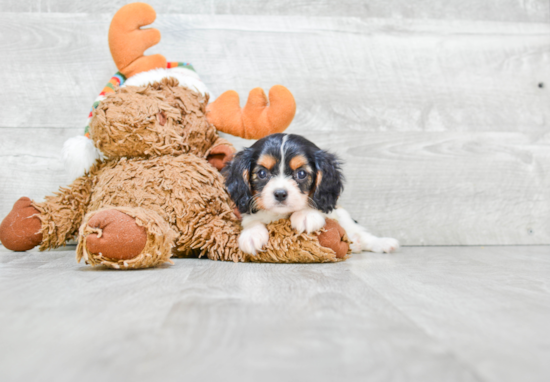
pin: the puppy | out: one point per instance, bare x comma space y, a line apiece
286, 175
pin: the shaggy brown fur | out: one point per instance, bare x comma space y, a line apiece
185, 191
288, 246
62, 213
156, 140
160, 119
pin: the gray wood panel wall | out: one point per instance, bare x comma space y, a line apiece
441, 110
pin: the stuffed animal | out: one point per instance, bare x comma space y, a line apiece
149, 185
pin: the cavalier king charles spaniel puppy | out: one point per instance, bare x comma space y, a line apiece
286, 175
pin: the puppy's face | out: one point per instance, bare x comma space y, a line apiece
282, 177
283, 174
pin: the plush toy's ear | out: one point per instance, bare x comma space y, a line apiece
329, 183
257, 119
128, 41
237, 180
220, 155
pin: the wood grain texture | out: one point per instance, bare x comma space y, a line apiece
447, 188
31, 164
495, 10
444, 188
443, 123
423, 314
347, 74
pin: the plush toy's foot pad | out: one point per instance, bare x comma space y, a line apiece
334, 238
118, 236
125, 238
21, 229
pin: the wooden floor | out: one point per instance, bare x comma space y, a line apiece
424, 314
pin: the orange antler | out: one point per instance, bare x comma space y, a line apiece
128, 42
256, 120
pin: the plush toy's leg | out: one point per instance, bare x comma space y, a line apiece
62, 212
125, 238
21, 229
218, 239
287, 246
212, 236
50, 223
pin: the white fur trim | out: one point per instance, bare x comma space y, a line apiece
79, 154
186, 78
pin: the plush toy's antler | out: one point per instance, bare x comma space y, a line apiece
256, 120
128, 42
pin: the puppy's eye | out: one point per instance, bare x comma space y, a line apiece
301, 174
262, 174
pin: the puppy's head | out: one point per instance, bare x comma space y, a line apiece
284, 173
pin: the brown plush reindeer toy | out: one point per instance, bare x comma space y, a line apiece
151, 187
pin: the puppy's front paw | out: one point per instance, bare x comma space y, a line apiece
383, 245
253, 239
307, 220
356, 243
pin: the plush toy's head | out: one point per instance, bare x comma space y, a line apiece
158, 119
154, 107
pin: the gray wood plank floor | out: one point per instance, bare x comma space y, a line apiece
424, 314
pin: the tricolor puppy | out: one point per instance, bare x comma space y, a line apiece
286, 175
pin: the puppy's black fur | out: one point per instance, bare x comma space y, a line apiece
323, 182
237, 179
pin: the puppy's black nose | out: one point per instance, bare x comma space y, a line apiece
280, 195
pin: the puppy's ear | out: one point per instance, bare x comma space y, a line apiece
237, 180
329, 182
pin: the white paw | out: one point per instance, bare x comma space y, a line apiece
307, 220
253, 239
355, 243
364, 241
382, 245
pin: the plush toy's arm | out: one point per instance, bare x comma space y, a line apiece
62, 213
220, 153
257, 119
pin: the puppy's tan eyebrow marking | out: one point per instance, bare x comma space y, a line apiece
267, 161
297, 162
